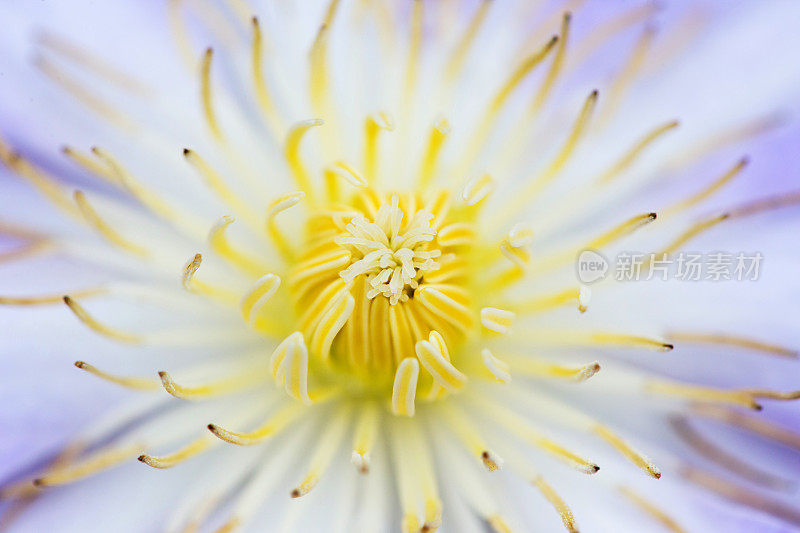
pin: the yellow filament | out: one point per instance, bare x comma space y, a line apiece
372, 128
548, 302
653, 510
168, 461
749, 423
49, 298
582, 338
274, 424
215, 182
498, 368
439, 133
442, 370
629, 71
626, 228
210, 389
111, 235
127, 382
294, 369
470, 437
330, 324
476, 190
97, 462
404, 389
47, 185
178, 28
415, 46
89, 164
318, 60
324, 453
206, 94
366, 430
635, 151
258, 296
693, 231
539, 182
733, 341
703, 394
555, 68
445, 306
628, 451
497, 320
456, 62
293, 157
519, 74
279, 205
93, 63
192, 284
498, 524
102, 329
84, 95
263, 97
517, 425
219, 243
708, 191
531, 366
558, 503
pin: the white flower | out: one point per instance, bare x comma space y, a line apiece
343, 238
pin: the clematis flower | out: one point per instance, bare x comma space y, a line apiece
351, 261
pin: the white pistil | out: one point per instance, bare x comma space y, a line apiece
393, 257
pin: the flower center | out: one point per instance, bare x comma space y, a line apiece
393, 255
380, 274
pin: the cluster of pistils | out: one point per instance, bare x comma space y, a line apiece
393, 257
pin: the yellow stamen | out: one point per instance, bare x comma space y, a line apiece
497, 320
217, 185
517, 425
206, 94
498, 368
293, 157
168, 461
470, 437
318, 58
704, 394
751, 423
102, 329
324, 453
535, 367
653, 510
415, 45
708, 191
372, 128
366, 430
91, 216
540, 181
555, 67
192, 284
263, 96
294, 368
633, 455
404, 389
478, 189
90, 164
128, 382
274, 424
215, 388
258, 296
635, 151
558, 503
101, 460
279, 205
49, 298
439, 132
442, 370
218, 240
724, 339
455, 63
